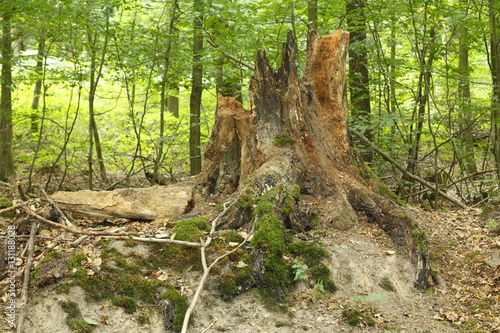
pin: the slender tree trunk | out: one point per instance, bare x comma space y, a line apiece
38, 85
163, 97
359, 81
6, 159
495, 73
96, 66
196, 91
466, 115
425, 51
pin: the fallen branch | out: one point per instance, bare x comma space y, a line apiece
74, 230
246, 64
56, 207
406, 173
206, 271
27, 271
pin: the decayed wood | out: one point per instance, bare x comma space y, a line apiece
310, 112
26, 280
132, 203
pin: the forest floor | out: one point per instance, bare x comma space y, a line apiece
374, 283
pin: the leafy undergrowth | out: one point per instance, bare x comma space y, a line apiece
469, 288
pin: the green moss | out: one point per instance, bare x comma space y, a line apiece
72, 309
281, 271
387, 284
355, 317
231, 236
35, 279
6, 203
76, 259
264, 206
420, 238
191, 230
269, 235
282, 140
247, 200
227, 285
312, 254
74, 319
321, 273
181, 306
128, 303
296, 192
50, 255
168, 256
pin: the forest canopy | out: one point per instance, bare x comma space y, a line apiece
113, 91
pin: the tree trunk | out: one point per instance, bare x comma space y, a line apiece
293, 148
6, 159
466, 115
359, 81
495, 74
38, 85
196, 92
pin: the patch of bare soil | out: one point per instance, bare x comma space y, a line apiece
375, 285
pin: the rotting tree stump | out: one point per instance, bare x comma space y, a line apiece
294, 139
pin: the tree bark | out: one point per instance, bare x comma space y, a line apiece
495, 74
196, 92
466, 115
6, 159
359, 81
295, 136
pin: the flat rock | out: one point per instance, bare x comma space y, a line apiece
165, 202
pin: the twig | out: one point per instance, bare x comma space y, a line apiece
206, 270
27, 269
41, 237
4, 183
209, 326
246, 64
156, 240
406, 172
56, 207
96, 233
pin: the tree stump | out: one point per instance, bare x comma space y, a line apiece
293, 148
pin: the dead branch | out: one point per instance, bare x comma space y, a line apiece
406, 173
56, 207
27, 270
246, 64
30, 212
20, 189
203, 280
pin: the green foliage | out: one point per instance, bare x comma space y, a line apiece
371, 298
300, 270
